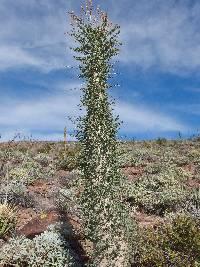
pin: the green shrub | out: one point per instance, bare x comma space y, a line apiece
153, 168
27, 169
45, 148
161, 141
194, 155
23, 149
43, 158
20, 174
67, 160
192, 205
32, 169
181, 160
197, 139
160, 192
176, 244
8, 215
125, 158
65, 199
147, 144
16, 193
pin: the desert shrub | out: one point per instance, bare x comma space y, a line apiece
43, 158
45, 148
197, 139
46, 166
23, 149
197, 171
147, 144
26, 170
17, 156
8, 219
31, 170
18, 171
158, 193
153, 168
65, 199
34, 170
134, 157
1, 154
15, 192
67, 160
194, 155
176, 244
181, 160
20, 174
126, 158
161, 141
192, 204
47, 249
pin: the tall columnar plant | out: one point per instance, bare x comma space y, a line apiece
105, 217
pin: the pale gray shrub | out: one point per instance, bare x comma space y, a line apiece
159, 192
15, 192
192, 205
47, 249
42, 158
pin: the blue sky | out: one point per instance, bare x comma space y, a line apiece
159, 67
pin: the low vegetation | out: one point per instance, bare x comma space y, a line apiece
8, 219
161, 192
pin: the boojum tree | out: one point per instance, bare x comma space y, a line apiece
105, 217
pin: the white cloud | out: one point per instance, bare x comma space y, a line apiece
46, 117
161, 34
47, 113
11, 56
138, 118
17, 57
193, 109
33, 35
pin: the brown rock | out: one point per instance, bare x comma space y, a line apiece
39, 224
40, 186
193, 183
132, 170
62, 173
145, 220
189, 168
132, 173
24, 216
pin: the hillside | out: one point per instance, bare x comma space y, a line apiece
161, 189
